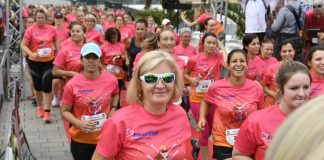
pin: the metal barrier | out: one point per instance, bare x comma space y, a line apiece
17, 146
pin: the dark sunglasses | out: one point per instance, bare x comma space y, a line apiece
319, 6
151, 78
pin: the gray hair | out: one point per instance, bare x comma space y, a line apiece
183, 30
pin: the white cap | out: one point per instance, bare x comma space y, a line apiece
165, 21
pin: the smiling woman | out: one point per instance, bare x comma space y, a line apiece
151, 127
233, 98
86, 106
293, 81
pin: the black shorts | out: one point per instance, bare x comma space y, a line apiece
82, 151
221, 152
41, 73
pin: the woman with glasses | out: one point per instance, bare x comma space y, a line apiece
89, 98
293, 82
152, 127
234, 98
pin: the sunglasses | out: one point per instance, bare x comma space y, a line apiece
319, 6
151, 78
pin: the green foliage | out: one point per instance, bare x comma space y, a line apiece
236, 13
158, 15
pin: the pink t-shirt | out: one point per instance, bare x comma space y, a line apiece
202, 18
184, 53
70, 18
204, 69
110, 50
41, 40
131, 28
180, 63
233, 104
95, 36
267, 62
137, 58
255, 69
88, 99
134, 133
269, 79
69, 57
258, 130
125, 34
317, 86
108, 25
62, 34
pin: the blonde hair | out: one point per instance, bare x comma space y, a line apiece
301, 136
149, 61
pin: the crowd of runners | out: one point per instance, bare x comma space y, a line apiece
129, 87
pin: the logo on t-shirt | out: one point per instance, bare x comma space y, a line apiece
134, 135
266, 136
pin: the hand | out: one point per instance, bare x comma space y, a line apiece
201, 125
193, 81
183, 15
86, 126
320, 35
116, 58
33, 55
72, 73
127, 62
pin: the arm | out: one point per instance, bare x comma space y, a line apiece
277, 24
189, 24
24, 46
98, 156
237, 155
126, 51
187, 76
113, 104
270, 92
57, 71
85, 126
204, 109
223, 51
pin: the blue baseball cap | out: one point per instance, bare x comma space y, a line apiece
90, 48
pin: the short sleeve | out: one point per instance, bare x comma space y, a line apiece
27, 35
68, 96
260, 98
60, 60
210, 95
109, 143
246, 142
191, 63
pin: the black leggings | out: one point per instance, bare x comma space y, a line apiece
221, 153
82, 151
41, 73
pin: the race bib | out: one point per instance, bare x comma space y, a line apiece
231, 135
99, 119
44, 52
203, 86
113, 69
184, 58
315, 40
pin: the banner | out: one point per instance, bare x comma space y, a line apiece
17, 147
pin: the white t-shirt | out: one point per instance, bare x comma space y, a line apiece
255, 17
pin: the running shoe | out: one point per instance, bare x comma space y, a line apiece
40, 112
34, 102
195, 148
47, 117
54, 101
